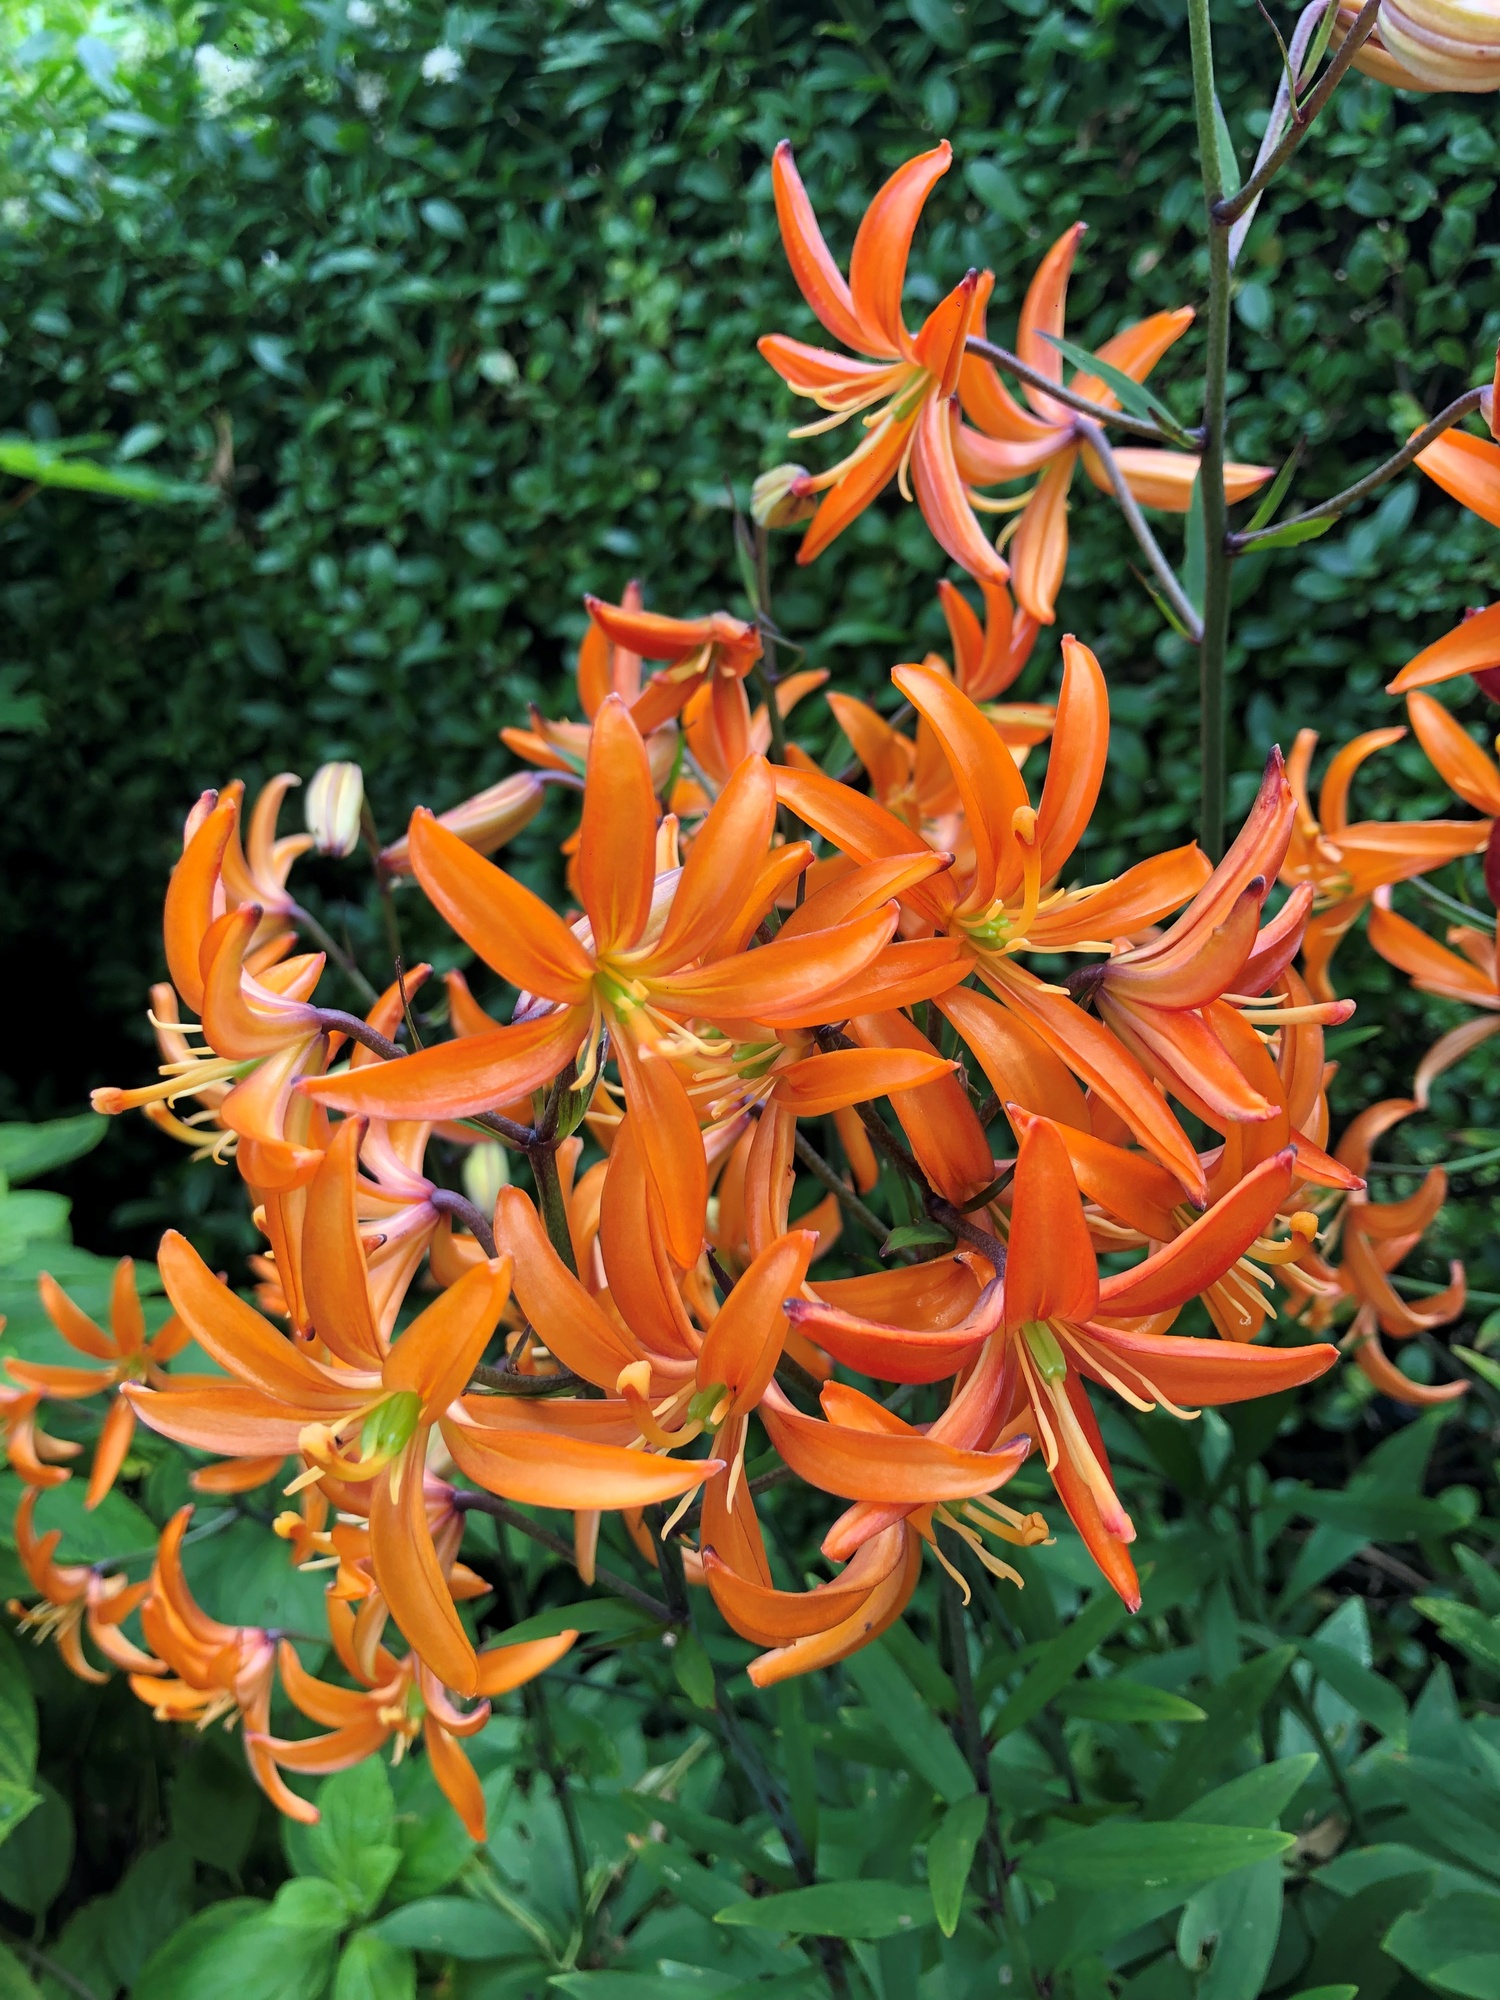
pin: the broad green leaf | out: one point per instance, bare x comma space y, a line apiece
997, 189
868, 1910
454, 1926
1327, 1992
1141, 1854
1394, 1468
950, 1856
153, 1899
1058, 1661
1373, 1698
1380, 1517
36, 1859
18, 1732
370, 1968
1348, 1944
1228, 1932
435, 1846
239, 1948
1465, 1627
1131, 395
15, 1982
1457, 1812
1233, 1709
28, 1151
926, 1746
1482, 1575
353, 1843
16, 1802
1121, 1700
693, 1670
1255, 1798
1452, 1944
215, 1804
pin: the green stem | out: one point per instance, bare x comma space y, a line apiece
543, 1159
1329, 510
970, 1735
1135, 520
329, 944
1214, 646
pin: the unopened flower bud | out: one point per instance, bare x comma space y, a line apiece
335, 800
486, 1172
484, 822
782, 497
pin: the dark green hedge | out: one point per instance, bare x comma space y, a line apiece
457, 350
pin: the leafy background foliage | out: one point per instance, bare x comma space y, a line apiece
453, 349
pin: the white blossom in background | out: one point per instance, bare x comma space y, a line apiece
360, 13
442, 65
369, 92
222, 77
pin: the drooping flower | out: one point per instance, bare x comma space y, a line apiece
905, 390
75, 1598
1004, 441
122, 1355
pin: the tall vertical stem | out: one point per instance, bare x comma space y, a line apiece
1214, 645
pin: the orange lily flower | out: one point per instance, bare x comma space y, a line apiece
1470, 974
38, 1459
1012, 442
76, 1597
1374, 1238
1157, 996
1472, 647
646, 966
283, 1399
1007, 899
1345, 863
125, 1352
400, 1700
988, 657
907, 390
215, 1671
714, 652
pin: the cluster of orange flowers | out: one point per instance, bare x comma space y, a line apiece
754, 947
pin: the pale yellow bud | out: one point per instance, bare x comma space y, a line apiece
486, 1172
335, 800
484, 822
781, 497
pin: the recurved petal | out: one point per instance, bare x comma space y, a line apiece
1075, 768
723, 864
1467, 468
1043, 312
818, 277
671, 1143
1052, 1271
548, 1469
505, 1668
236, 1336
1205, 1249
411, 1578
877, 267
1015, 1060
906, 1469
943, 499
1456, 755
333, 1259
1135, 351
865, 472
190, 897
438, 1352
878, 1613
1470, 648
1039, 553
820, 1084
456, 1079
616, 859
1198, 1374
514, 932
779, 978
743, 1345
213, 1415
989, 784
574, 1327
